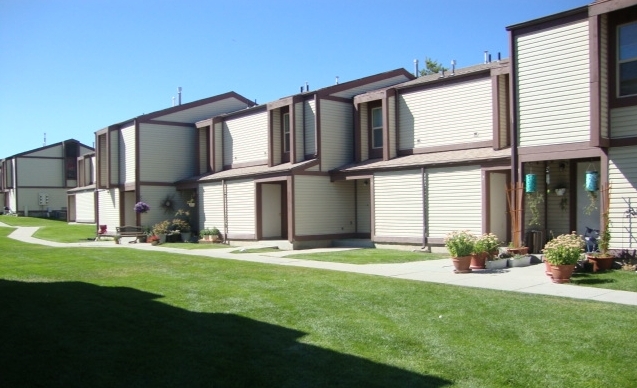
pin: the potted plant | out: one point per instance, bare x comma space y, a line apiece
562, 253
485, 247
141, 207
153, 240
216, 234
460, 245
205, 234
602, 260
519, 261
181, 225
498, 262
161, 230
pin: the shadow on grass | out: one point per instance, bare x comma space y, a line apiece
589, 279
79, 334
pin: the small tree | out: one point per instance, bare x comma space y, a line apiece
432, 67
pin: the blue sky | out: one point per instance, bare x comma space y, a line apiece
72, 67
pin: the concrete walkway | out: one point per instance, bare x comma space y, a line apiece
530, 280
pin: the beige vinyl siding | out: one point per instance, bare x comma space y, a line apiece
52, 152
364, 119
219, 152
245, 139
211, 203
363, 206
127, 155
29, 197
623, 122
454, 200
349, 93
85, 206
553, 85
398, 207
622, 175
298, 133
323, 207
277, 137
40, 172
153, 196
108, 205
336, 134
391, 109
202, 112
85, 150
203, 150
603, 74
447, 114
241, 211
114, 158
558, 218
310, 127
166, 153
503, 108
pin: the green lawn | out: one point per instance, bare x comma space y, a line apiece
370, 256
181, 245
614, 280
54, 230
104, 317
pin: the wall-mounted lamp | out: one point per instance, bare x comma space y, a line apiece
548, 176
365, 182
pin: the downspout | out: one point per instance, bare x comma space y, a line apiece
424, 208
224, 189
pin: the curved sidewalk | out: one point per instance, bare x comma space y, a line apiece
530, 280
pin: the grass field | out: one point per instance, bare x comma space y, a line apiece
370, 256
122, 317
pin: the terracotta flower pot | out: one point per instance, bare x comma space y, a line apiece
462, 264
478, 261
562, 273
603, 263
547, 268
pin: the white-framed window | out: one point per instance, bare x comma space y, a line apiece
627, 59
377, 127
286, 132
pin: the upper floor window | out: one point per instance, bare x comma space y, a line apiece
627, 59
286, 132
377, 127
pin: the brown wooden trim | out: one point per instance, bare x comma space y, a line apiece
317, 140
551, 21
444, 148
281, 178
513, 107
284, 210
337, 99
375, 153
495, 117
258, 209
122, 211
341, 87
42, 187
241, 113
557, 149
598, 8
153, 183
594, 86
486, 204
40, 157
291, 215
623, 142
385, 129
246, 164
289, 156
168, 123
138, 168
357, 133
271, 138
311, 173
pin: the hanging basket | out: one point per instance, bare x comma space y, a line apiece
592, 180
530, 183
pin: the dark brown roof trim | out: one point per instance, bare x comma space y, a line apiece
366, 80
601, 7
447, 80
246, 164
240, 113
443, 148
197, 103
171, 123
21, 154
554, 20
624, 142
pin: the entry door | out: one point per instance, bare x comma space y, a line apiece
498, 205
271, 210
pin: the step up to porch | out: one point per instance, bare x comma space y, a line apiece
353, 243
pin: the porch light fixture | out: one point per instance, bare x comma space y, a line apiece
548, 176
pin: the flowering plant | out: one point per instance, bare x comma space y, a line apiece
141, 207
564, 249
161, 227
460, 243
152, 238
486, 243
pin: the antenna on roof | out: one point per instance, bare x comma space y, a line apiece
179, 94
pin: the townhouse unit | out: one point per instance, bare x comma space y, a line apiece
432, 155
574, 101
264, 171
81, 200
35, 182
141, 159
